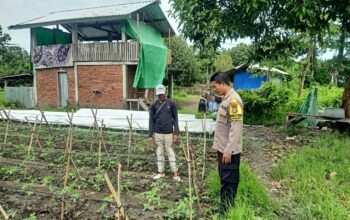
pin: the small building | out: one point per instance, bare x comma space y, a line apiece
248, 77
23, 79
103, 57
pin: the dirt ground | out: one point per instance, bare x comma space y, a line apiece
26, 192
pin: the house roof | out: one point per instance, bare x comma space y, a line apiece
258, 67
23, 75
148, 11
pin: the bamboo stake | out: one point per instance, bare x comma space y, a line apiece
14, 127
130, 138
194, 175
124, 216
44, 117
76, 169
204, 126
189, 171
69, 159
100, 145
118, 182
33, 134
3, 212
6, 132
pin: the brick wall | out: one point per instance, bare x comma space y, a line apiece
47, 86
107, 79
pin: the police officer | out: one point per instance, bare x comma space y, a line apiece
228, 137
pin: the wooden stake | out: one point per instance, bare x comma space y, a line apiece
118, 182
100, 144
6, 132
3, 212
204, 126
130, 138
189, 171
116, 198
69, 159
14, 127
44, 117
33, 134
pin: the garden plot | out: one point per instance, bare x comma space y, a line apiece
69, 172
113, 118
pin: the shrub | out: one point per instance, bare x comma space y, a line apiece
266, 104
13, 103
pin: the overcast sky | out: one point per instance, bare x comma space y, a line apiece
17, 11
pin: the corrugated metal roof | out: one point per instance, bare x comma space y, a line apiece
148, 10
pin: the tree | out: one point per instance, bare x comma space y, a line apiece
269, 23
13, 59
223, 61
183, 58
242, 54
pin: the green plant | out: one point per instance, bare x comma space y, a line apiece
12, 103
6, 172
317, 179
181, 209
97, 181
252, 200
32, 216
11, 213
153, 196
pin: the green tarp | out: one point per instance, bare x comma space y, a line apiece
310, 107
152, 54
45, 36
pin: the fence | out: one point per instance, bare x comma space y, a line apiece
24, 95
106, 51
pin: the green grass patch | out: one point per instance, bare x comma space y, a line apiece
186, 103
318, 179
2, 97
252, 200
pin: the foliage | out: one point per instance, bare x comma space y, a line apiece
2, 97
265, 105
241, 54
13, 59
13, 103
252, 200
269, 104
317, 179
223, 61
183, 59
181, 210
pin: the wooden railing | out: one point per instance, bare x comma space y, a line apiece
106, 51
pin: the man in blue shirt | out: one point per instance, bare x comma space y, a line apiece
164, 128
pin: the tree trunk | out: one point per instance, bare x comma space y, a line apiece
340, 52
306, 66
346, 99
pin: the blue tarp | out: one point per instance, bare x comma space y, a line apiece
247, 81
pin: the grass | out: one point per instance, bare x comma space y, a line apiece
252, 201
317, 179
186, 103
2, 97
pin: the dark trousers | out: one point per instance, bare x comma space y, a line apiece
229, 178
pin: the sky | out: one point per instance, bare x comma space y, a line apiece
17, 11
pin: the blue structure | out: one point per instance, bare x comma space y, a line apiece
247, 81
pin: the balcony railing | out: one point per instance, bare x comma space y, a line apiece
108, 51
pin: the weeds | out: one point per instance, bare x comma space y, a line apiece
318, 179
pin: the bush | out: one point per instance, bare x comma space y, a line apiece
269, 104
13, 104
266, 105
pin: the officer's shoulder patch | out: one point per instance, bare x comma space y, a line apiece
235, 110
